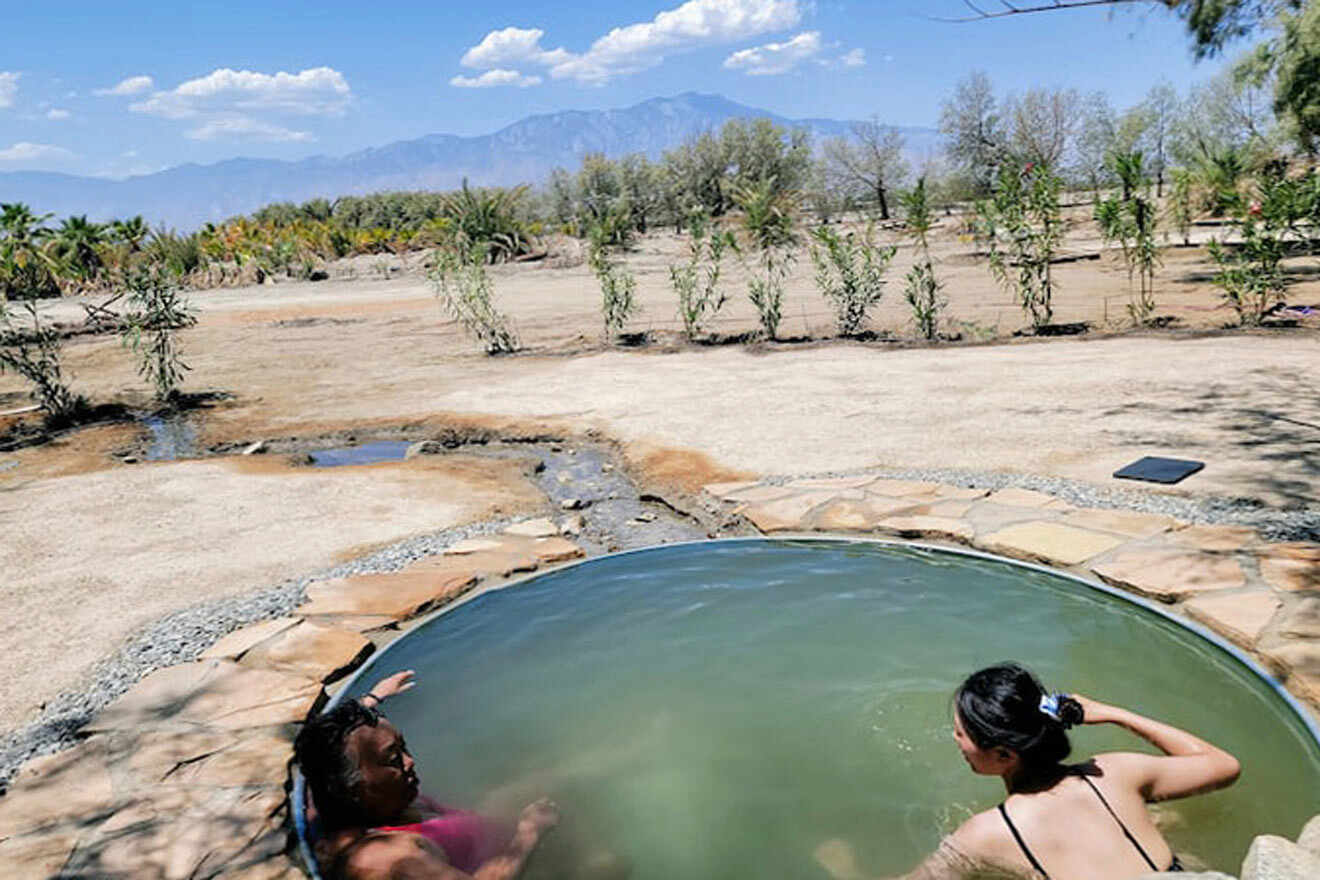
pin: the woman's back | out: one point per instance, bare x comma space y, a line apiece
1070, 832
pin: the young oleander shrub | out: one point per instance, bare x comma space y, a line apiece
1022, 225
464, 288
159, 309
618, 286
697, 282
768, 223
34, 350
1130, 220
923, 291
850, 273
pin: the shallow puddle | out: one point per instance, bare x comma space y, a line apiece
366, 453
172, 438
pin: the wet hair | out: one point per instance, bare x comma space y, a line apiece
332, 776
999, 707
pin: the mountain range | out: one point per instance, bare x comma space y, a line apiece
526, 151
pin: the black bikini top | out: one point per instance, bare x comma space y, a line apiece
1128, 834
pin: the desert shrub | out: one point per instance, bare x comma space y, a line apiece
922, 289
1021, 224
1180, 207
34, 352
490, 218
159, 311
850, 272
697, 282
618, 287
767, 219
465, 290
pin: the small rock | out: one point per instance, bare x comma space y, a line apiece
424, 447
574, 504
1276, 858
564, 478
573, 525
533, 528
539, 468
1310, 836
129, 459
645, 517
556, 448
607, 468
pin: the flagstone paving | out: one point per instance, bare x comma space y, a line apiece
184, 776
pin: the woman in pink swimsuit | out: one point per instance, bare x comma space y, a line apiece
370, 820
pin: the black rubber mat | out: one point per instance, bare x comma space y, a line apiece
1159, 470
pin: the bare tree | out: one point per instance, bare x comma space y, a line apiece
870, 161
973, 131
1161, 109
1042, 124
1097, 132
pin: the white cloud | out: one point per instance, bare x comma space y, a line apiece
26, 152
497, 77
773, 58
856, 58
317, 91
132, 86
55, 113
639, 46
8, 87
245, 127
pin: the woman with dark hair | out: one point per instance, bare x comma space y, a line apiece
1060, 821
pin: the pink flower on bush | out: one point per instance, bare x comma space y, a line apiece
1254, 209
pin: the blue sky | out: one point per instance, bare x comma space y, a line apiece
113, 89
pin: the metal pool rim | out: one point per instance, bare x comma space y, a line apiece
1299, 711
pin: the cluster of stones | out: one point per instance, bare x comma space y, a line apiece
185, 776
1262, 597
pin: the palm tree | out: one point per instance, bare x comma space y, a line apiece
76, 244
26, 270
131, 232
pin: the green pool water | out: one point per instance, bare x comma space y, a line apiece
719, 710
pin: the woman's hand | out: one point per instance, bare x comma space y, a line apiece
539, 816
395, 684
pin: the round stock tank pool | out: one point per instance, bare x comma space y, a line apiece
720, 709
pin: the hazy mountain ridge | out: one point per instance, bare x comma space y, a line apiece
524, 152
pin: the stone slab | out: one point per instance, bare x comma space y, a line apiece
358, 623
902, 488
1240, 618
505, 558
962, 493
720, 490
1015, 497
212, 693
1123, 522
325, 653
852, 515
240, 641
1299, 661
552, 550
1049, 542
1303, 620
1276, 858
932, 527
533, 528
786, 514
474, 545
757, 494
182, 833
399, 596
826, 484
154, 755
1219, 539
1171, 573
37, 856
257, 760
1294, 567
70, 787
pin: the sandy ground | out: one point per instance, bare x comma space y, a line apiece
95, 548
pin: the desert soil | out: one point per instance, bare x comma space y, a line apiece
95, 547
